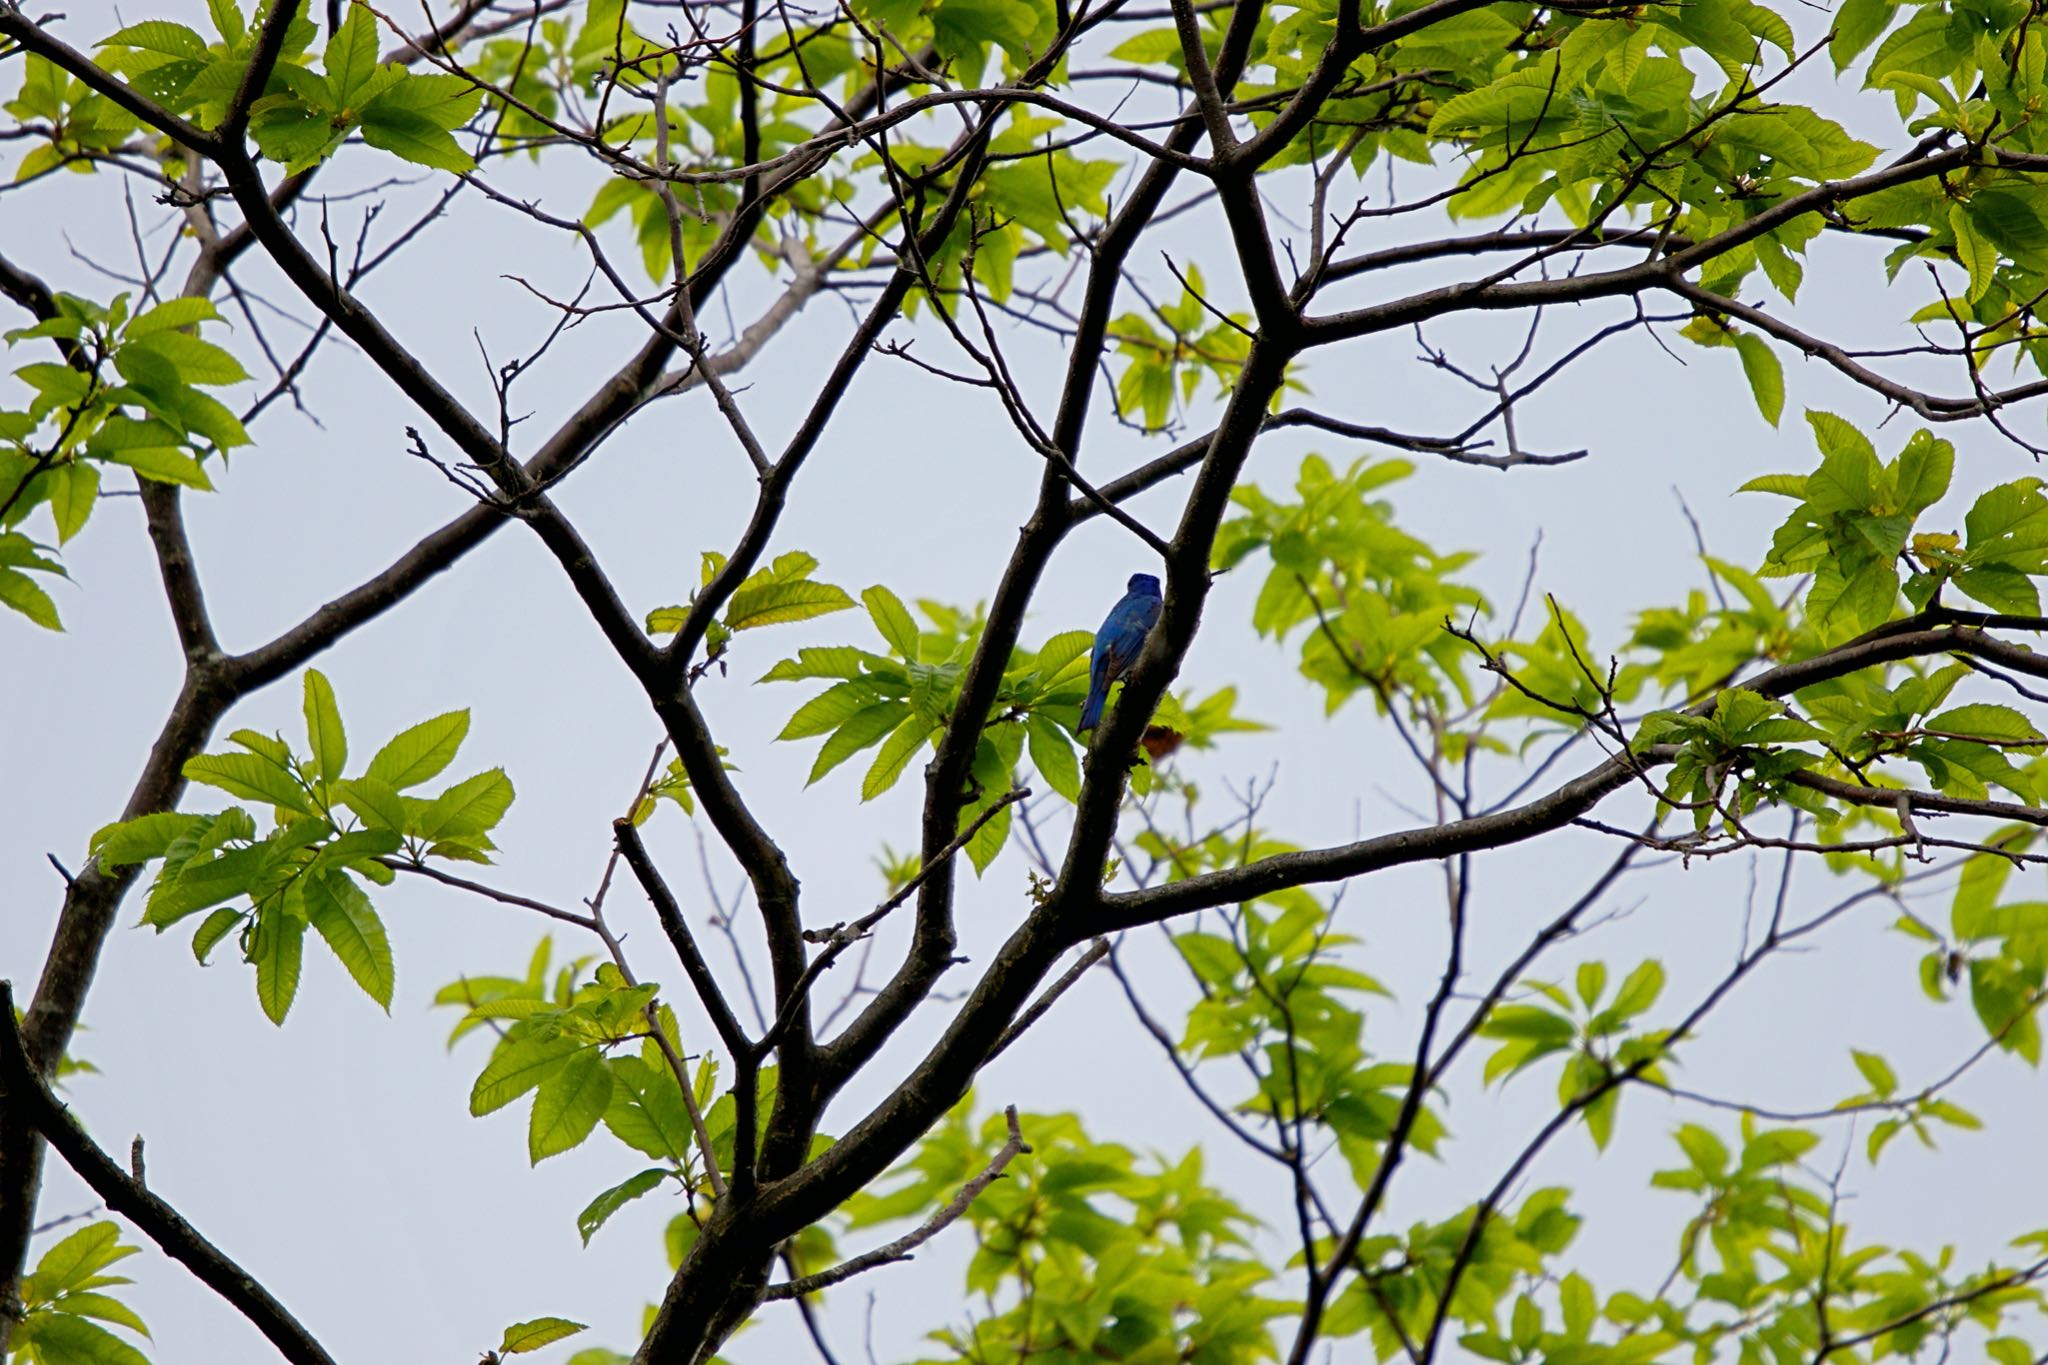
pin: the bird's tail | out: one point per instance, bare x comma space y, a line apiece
1091, 710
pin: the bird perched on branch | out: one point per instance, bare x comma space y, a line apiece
1118, 643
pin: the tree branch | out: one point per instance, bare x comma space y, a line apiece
900, 1249
32, 1106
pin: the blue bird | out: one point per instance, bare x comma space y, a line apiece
1118, 643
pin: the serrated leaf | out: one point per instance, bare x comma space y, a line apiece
1784, 485
74, 491
105, 1307
414, 137
341, 914
65, 1339
23, 594
1766, 375
470, 807
515, 1068
172, 314
1988, 721
250, 776
521, 1337
894, 621
826, 661
829, 710
862, 730
894, 755
774, 604
1052, 753
1056, 657
195, 361
324, 733
141, 839
213, 929
79, 1257
350, 59
277, 946
571, 1100
421, 752
160, 36
374, 802
988, 841
599, 1210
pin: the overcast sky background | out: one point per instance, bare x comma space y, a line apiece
335, 1157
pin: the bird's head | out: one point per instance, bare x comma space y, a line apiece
1144, 583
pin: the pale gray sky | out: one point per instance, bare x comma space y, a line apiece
335, 1157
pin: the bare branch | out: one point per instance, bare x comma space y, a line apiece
33, 1108
902, 1247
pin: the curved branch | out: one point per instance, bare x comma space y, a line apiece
31, 1104
1929, 406
1906, 639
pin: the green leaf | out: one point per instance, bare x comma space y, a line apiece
323, 727
2012, 219
374, 802
830, 709
1784, 485
158, 35
1766, 375
468, 808
988, 841
141, 839
341, 914
196, 361
516, 1067
1925, 468
213, 929
351, 56
828, 661
893, 619
1527, 1021
1052, 753
277, 945
78, 1258
105, 1307
414, 137
1592, 982
774, 604
571, 1101
172, 314
64, 1339
1976, 253
250, 776
74, 491
161, 464
862, 730
1152, 47
894, 755
1639, 991
1876, 1071
1057, 657
599, 1210
421, 752
1988, 721
521, 1337
1857, 25
19, 591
